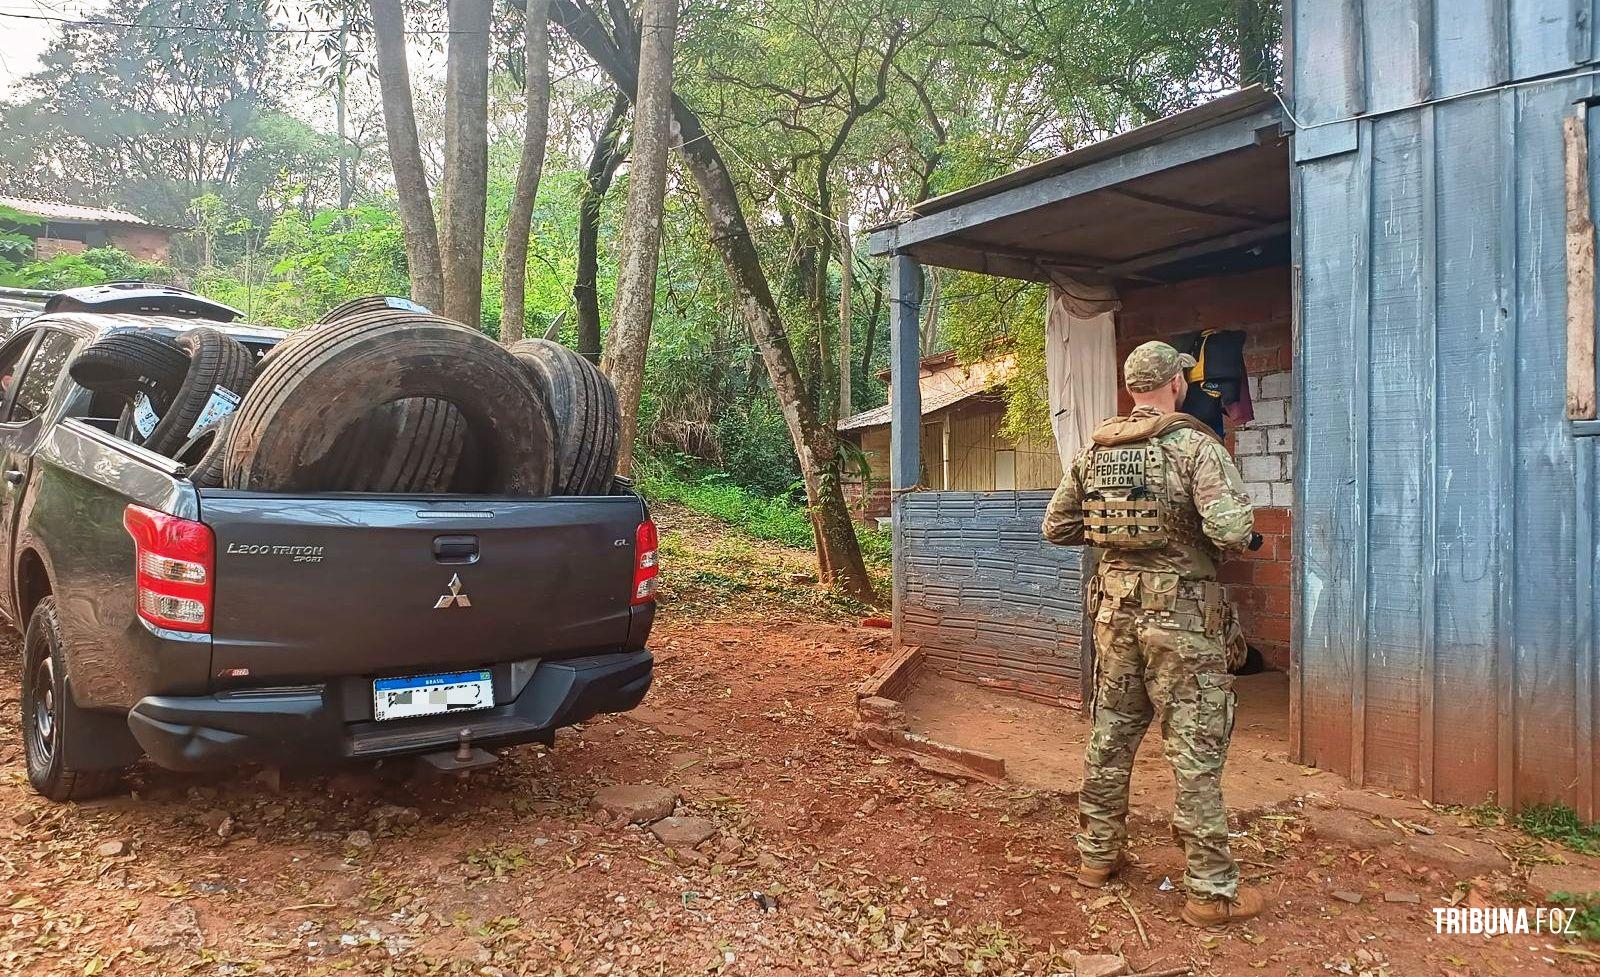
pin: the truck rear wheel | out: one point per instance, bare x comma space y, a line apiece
307, 396
584, 405
50, 719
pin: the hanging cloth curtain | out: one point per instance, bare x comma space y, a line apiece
1080, 360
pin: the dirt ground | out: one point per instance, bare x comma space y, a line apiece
1043, 745
828, 859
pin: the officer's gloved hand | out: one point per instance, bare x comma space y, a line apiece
1255, 542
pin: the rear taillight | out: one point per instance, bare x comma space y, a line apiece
173, 561
646, 567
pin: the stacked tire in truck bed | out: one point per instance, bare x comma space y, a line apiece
381, 396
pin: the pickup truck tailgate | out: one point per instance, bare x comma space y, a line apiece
323, 586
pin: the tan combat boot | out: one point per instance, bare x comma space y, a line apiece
1094, 876
1247, 904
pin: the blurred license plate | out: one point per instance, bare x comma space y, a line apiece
430, 695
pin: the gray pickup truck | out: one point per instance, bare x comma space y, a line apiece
205, 627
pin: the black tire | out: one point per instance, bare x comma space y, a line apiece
50, 719
304, 400
126, 364
215, 360
584, 405
370, 303
204, 453
414, 445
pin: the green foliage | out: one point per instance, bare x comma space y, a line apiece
1560, 824
713, 493
148, 116
864, 107
16, 246
1587, 924
305, 267
984, 316
728, 573
94, 266
678, 479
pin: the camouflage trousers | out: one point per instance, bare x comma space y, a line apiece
1154, 654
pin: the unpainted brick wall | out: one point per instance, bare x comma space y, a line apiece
144, 243
1259, 303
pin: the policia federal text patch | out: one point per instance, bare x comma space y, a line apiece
1117, 468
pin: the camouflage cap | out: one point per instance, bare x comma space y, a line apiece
1152, 365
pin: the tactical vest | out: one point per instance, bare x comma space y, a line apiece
1127, 503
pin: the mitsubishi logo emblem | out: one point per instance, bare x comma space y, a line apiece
455, 598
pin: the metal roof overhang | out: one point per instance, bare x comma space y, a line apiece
1195, 193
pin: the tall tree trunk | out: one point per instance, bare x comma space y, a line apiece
641, 234
872, 329
1254, 57
405, 154
603, 162
341, 113
514, 270
846, 272
466, 159
816, 446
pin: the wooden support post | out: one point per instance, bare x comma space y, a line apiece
905, 398
1580, 273
905, 344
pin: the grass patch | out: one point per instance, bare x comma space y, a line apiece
1486, 814
1560, 824
714, 494
728, 574
1587, 924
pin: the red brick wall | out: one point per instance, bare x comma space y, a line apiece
144, 243
1258, 584
1259, 303
45, 248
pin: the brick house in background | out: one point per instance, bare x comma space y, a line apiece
69, 228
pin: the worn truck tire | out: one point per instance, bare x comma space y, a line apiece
369, 303
215, 360
306, 398
126, 364
411, 445
584, 405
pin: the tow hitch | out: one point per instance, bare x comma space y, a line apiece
465, 756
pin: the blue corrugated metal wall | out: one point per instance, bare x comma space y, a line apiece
1446, 527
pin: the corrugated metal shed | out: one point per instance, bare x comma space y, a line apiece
1447, 538
72, 213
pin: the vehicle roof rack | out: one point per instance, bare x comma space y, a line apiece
145, 297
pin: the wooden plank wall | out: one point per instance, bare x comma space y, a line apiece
987, 598
1446, 527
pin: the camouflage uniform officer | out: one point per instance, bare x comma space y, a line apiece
1161, 498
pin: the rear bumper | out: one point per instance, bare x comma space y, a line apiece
308, 725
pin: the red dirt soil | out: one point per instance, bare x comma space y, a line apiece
874, 867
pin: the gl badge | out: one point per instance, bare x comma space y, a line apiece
455, 598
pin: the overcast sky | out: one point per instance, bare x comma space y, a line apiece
23, 40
